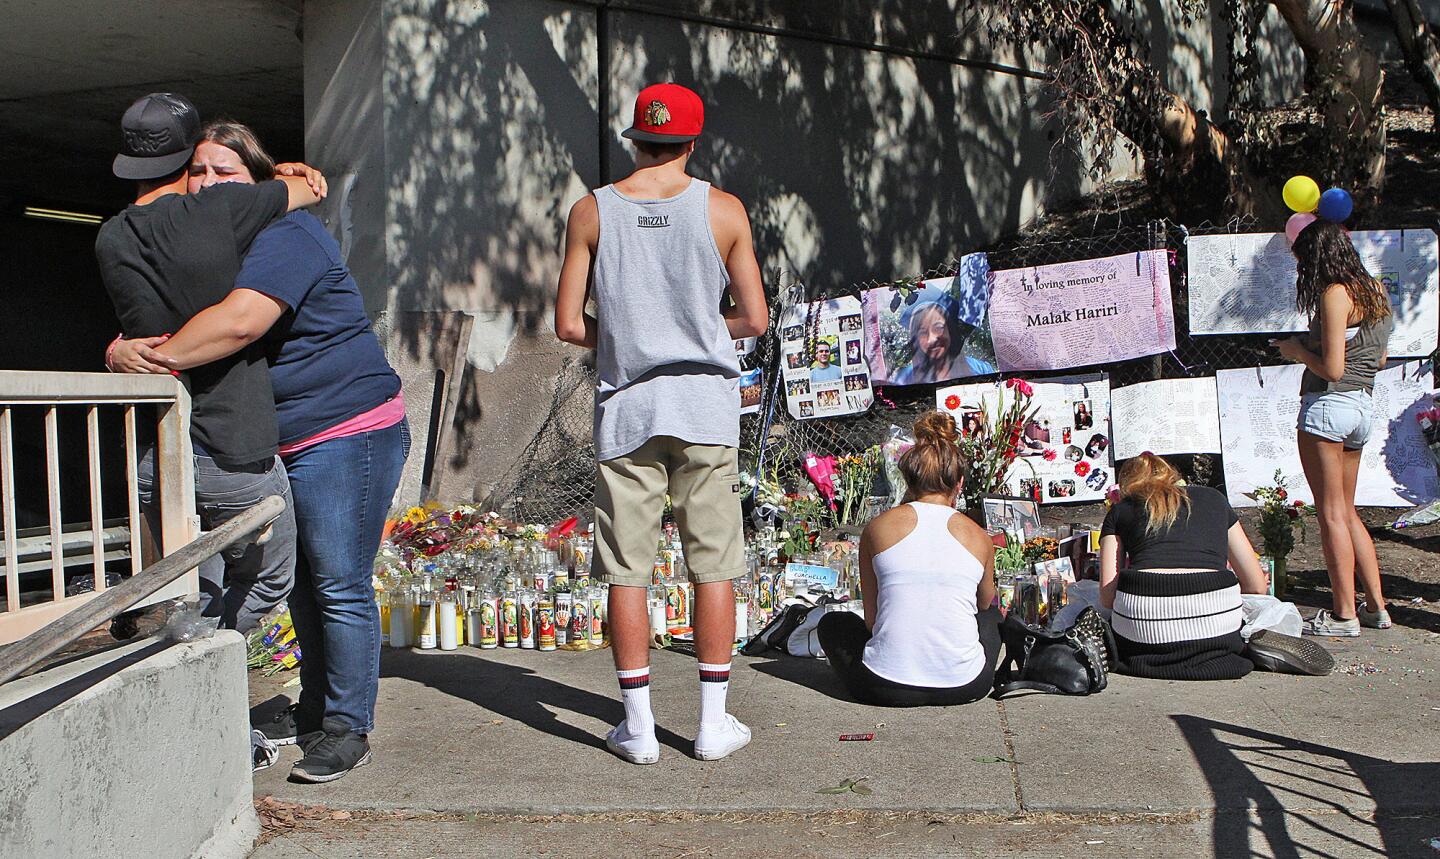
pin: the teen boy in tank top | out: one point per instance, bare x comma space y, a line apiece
658, 252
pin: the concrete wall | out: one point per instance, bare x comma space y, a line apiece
855, 163
140, 751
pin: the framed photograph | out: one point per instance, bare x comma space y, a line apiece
1017, 516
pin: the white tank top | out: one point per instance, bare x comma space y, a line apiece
925, 632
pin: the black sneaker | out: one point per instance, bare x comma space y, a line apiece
331, 754
1288, 654
286, 727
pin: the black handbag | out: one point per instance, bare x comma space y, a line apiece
778, 630
1076, 661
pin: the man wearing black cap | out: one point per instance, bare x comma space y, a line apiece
165, 258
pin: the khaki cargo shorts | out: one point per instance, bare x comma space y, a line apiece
703, 481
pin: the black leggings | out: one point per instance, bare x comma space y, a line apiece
843, 636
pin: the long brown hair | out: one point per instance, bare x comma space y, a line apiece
240, 139
1324, 256
1156, 483
934, 465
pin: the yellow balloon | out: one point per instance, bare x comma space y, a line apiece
1301, 194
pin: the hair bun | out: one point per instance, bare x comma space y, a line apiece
936, 428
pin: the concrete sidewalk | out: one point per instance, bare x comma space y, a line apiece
521, 732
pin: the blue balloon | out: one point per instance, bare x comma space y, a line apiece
1335, 205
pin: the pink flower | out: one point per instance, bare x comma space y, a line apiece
1049, 455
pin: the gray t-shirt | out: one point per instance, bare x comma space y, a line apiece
665, 358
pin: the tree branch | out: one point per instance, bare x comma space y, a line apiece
1418, 44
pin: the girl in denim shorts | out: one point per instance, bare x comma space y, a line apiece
1350, 322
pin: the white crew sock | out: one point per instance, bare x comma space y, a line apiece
714, 684
635, 693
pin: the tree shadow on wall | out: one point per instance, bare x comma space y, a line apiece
854, 164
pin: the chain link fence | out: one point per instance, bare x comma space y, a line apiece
554, 477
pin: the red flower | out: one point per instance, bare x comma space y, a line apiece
1292, 512
1299, 503
952, 402
1049, 455
1082, 468
432, 551
1281, 494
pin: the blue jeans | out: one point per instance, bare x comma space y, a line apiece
242, 584
342, 490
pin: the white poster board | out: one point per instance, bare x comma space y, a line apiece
1244, 283
1258, 411
823, 368
1065, 451
1168, 416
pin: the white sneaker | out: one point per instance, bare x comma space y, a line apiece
1373, 619
717, 741
637, 749
1326, 624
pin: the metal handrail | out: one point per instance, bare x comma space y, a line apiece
17, 658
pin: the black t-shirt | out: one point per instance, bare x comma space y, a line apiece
1198, 540
166, 261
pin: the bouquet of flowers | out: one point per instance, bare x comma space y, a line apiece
1279, 517
855, 474
991, 448
272, 649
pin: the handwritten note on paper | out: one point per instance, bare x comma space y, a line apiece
1258, 414
1244, 283
1168, 416
1074, 314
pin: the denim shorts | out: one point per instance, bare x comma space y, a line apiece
1341, 416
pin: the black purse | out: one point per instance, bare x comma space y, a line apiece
1076, 661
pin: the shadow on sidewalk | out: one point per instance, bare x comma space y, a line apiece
516, 693
1268, 774
814, 674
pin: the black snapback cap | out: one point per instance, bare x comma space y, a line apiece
159, 133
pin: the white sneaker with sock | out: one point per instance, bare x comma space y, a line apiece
634, 738
720, 733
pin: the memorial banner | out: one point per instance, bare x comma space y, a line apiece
1258, 411
1244, 283
1075, 314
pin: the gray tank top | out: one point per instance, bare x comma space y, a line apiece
1364, 347
664, 356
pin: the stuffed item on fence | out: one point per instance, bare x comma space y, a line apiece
821, 471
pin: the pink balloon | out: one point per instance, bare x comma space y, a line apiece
1298, 222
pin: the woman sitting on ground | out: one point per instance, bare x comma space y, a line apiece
1177, 609
924, 571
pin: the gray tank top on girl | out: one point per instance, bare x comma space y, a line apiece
664, 356
1364, 347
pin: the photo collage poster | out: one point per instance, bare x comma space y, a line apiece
934, 333
822, 359
1065, 449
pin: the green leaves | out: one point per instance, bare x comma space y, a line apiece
849, 785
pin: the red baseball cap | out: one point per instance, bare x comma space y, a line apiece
666, 113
